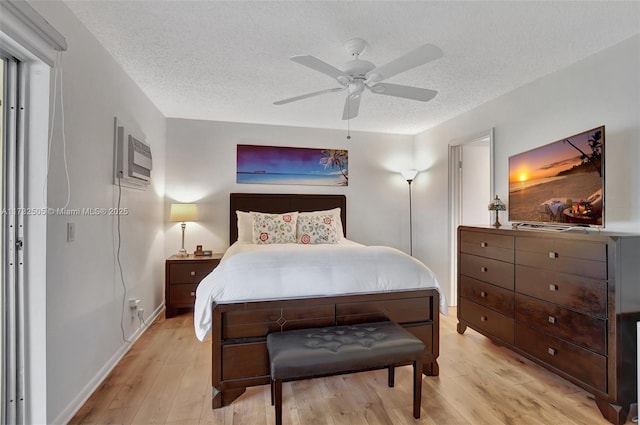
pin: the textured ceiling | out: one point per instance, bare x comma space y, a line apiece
228, 61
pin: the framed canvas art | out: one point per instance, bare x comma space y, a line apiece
295, 166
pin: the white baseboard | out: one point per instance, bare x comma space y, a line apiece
69, 412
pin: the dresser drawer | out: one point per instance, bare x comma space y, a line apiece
190, 272
582, 364
570, 248
561, 263
587, 331
577, 292
487, 270
498, 247
487, 320
184, 293
488, 295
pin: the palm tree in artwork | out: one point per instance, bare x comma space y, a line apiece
336, 158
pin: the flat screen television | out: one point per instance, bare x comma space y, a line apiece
560, 183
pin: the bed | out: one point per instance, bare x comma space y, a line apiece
239, 328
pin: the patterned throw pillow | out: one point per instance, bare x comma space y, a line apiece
317, 229
274, 228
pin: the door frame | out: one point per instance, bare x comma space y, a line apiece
455, 199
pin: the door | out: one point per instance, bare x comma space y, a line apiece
471, 188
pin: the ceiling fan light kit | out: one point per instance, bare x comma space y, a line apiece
360, 74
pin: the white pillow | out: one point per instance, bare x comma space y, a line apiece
274, 228
338, 221
317, 229
245, 226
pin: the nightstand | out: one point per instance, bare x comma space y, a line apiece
182, 276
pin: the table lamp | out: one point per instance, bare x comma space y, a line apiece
497, 205
183, 213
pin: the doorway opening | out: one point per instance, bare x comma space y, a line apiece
471, 188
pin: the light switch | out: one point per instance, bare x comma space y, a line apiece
71, 232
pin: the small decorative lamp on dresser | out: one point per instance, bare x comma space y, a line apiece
182, 276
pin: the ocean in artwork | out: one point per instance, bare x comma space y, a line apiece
292, 166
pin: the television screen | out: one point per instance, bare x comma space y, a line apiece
560, 183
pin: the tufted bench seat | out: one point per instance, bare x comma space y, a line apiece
309, 353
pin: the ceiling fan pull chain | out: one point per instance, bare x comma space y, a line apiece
348, 123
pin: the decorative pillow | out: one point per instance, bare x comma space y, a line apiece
274, 228
317, 229
245, 226
336, 215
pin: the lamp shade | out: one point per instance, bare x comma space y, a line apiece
409, 174
183, 212
497, 205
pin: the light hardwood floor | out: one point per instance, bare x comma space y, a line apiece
165, 379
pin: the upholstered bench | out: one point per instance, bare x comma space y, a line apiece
310, 353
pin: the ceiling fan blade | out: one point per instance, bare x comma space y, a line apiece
304, 96
416, 57
351, 107
407, 92
320, 66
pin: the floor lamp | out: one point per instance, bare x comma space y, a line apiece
409, 175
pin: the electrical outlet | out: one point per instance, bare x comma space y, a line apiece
141, 313
134, 305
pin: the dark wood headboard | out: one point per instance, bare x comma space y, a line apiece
277, 203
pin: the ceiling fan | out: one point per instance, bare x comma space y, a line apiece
360, 74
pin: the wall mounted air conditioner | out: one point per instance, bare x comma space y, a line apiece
132, 158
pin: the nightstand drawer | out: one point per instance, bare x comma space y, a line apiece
182, 276
190, 272
183, 293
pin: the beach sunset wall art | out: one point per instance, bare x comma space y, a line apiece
561, 182
286, 165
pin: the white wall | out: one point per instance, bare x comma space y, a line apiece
83, 288
601, 89
202, 169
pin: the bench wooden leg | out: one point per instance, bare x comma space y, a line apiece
277, 390
271, 387
417, 388
392, 375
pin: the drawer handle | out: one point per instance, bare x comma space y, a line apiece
193, 273
483, 269
553, 254
552, 320
551, 351
192, 293
483, 294
553, 287
483, 318
483, 244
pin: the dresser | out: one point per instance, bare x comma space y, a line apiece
182, 276
569, 301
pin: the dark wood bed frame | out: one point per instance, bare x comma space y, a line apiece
239, 353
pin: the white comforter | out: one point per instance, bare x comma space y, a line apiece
254, 272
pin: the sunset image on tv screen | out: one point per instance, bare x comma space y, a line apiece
561, 183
